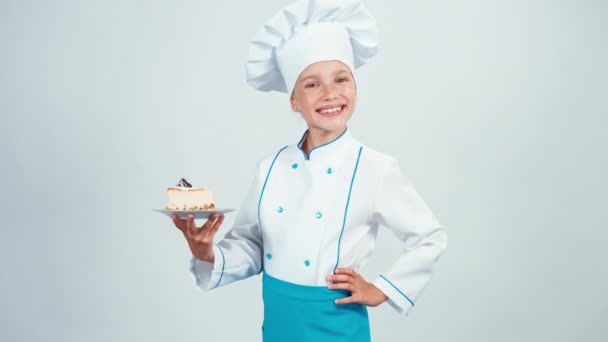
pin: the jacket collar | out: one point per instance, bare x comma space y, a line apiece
328, 150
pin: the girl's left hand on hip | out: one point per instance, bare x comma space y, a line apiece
361, 291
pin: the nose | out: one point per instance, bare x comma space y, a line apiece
330, 92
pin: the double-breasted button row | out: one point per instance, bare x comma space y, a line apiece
329, 170
318, 214
306, 262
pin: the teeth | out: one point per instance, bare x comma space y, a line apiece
330, 110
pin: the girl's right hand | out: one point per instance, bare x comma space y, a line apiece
200, 240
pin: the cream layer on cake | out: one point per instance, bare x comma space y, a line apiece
183, 198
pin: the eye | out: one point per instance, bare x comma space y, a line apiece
311, 85
342, 80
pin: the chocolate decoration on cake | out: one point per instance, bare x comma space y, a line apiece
184, 183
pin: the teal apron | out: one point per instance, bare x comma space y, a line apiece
299, 313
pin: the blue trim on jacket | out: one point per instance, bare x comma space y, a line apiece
316, 147
393, 285
346, 209
264, 188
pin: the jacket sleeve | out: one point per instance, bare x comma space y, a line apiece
238, 254
399, 207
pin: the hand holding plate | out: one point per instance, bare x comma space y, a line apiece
200, 239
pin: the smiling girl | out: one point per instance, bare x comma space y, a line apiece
310, 218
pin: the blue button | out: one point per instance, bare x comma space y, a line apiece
280, 209
329, 170
306, 263
268, 256
294, 166
318, 215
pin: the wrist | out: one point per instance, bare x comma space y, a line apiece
380, 296
210, 258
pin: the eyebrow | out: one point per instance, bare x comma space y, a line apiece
317, 75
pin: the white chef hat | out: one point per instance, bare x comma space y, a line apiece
306, 32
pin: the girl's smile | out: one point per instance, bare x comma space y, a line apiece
331, 110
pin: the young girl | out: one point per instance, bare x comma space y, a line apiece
311, 215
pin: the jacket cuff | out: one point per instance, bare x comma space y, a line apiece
207, 275
396, 298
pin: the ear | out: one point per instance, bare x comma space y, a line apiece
293, 103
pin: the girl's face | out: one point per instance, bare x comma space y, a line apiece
325, 95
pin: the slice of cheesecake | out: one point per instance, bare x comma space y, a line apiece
185, 197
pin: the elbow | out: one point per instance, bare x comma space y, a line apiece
438, 241
441, 239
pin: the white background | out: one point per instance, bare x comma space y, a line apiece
496, 110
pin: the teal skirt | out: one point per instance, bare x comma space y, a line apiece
297, 313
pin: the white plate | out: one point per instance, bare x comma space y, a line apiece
198, 214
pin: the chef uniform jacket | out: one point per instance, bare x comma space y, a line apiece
303, 217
